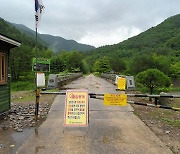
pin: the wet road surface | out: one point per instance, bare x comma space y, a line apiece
111, 129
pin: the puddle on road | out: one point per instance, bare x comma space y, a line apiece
20, 137
10, 141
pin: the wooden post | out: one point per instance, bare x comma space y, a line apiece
37, 103
156, 101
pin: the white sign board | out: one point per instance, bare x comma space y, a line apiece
76, 108
40, 79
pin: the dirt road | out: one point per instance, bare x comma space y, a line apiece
111, 129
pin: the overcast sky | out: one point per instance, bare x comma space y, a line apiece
94, 22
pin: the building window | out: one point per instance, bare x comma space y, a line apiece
3, 68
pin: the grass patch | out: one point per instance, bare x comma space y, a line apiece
175, 123
22, 86
23, 96
23, 99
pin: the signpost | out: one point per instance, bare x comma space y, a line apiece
39, 65
115, 99
76, 108
43, 65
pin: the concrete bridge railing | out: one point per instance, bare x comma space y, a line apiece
58, 80
109, 77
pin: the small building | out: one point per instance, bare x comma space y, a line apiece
6, 44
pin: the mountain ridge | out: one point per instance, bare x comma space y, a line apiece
55, 43
160, 34
154, 48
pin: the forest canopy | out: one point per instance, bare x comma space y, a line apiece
157, 48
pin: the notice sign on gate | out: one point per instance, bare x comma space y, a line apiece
121, 83
115, 99
76, 108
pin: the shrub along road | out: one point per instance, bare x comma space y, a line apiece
111, 129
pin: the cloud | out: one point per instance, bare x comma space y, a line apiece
96, 22
109, 37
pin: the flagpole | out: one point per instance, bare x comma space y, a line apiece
38, 9
37, 95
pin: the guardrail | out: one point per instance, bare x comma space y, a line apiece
59, 80
64, 79
109, 77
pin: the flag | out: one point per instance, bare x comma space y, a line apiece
39, 7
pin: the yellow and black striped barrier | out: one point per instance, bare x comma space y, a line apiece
153, 96
101, 96
142, 95
153, 105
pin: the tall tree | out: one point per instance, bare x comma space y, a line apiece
20, 61
152, 79
118, 64
102, 65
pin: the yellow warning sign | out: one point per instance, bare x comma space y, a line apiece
115, 99
76, 108
122, 83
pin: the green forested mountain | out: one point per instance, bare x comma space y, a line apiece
158, 47
166, 34
55, 43
21, 57
10, 31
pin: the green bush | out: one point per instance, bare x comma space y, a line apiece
97, 74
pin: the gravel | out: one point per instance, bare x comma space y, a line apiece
22, 116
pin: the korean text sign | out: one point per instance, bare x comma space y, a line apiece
76, 108
115, 99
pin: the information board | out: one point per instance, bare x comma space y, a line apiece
76, 108
43, 65
115, 99
121, 83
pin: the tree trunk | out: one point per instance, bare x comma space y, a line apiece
151, 91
